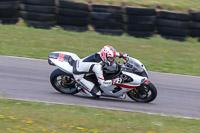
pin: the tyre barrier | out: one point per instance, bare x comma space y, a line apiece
139, 22
38, 13
107, 19
9, 11
174, 26
72, 16
195, 25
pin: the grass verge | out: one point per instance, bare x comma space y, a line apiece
26, 117
156, 53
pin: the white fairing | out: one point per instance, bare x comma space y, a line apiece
136, 79
65, 66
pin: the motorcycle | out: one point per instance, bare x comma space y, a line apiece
134, 74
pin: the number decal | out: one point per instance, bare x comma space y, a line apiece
61, 57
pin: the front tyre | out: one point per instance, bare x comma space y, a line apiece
144, 93
63, 82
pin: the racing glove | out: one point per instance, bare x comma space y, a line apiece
125, 56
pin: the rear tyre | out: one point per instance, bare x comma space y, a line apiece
63, 82
144, 94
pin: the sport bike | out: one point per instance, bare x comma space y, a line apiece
135, 82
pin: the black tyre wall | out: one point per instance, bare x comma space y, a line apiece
8, 20
110, 32
140, 11
174, 16
74, 28
64, 20
38, 13
177, 38
40, 2
9, 5
140, 34
172, 23
106, 8
106, 16
107, 25
72, 5
139, 22
107, 19
173, 31
139, 27
40, 17
174, 26
195, 32
195, 25
72, 16
72, 13
130, 19
195, 17
42, 25
9, 12
37, 8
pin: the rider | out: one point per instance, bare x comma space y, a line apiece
105, 59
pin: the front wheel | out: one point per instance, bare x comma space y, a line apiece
63, 82
144, 93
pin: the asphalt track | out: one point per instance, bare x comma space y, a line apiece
28, 79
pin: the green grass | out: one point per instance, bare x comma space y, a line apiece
174, 5
27, 117
156, 53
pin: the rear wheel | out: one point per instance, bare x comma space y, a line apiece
63, 82
144, 93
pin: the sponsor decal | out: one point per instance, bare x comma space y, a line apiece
61, 57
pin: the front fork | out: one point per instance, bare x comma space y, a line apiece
140, 90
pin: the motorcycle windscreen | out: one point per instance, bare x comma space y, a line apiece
135, 66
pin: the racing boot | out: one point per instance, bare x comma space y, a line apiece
96, 92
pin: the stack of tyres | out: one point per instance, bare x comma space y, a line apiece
9, 11
38, 13
139, 22
174, 26
107, 19
195, 25
72, 15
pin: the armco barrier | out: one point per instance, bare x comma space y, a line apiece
9, 12
105, 19
38, 13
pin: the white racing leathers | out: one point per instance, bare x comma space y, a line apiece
90, 65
